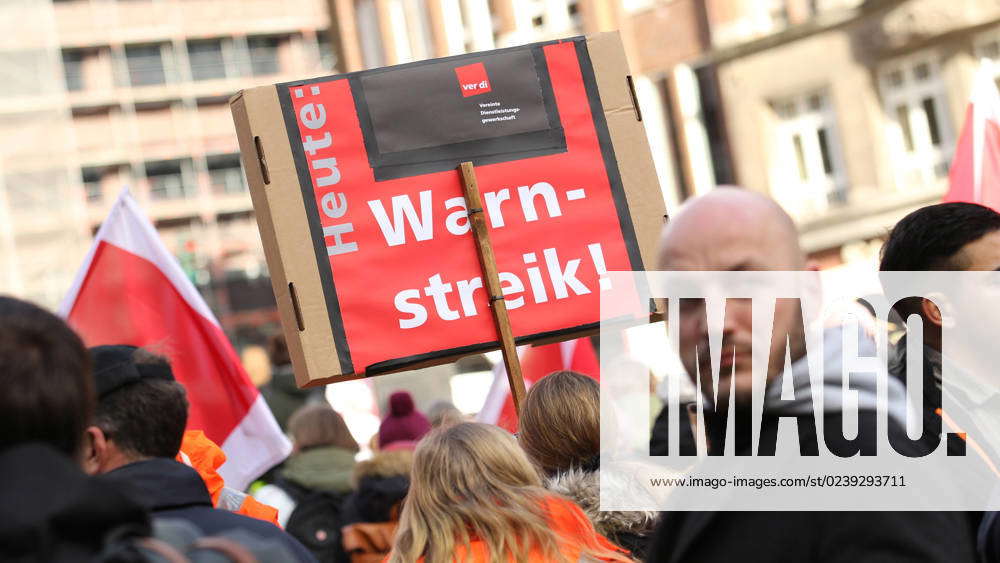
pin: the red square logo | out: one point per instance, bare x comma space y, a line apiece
472, 79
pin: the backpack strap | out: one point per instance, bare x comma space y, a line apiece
161, 549
227, 547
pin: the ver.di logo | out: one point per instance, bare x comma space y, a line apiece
472, 79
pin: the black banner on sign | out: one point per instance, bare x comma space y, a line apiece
429, 116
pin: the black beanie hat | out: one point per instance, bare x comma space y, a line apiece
114, 367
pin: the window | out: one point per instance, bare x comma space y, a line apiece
30, 191
327, 58
225, 174
372, 51
92, 184
919, 133
987, 46
713, 120
652, 95
411, 26
990, 49
401, 33
206, 59
167, 179
574, 13
73, 69
145, 64
263, 55
534, 12
181, 236
778, 12
807, 167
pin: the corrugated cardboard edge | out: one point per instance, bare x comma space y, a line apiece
279, 207
628, 136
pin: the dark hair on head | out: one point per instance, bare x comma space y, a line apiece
146, 418
560, 424
277, 350
46, 391
931, 237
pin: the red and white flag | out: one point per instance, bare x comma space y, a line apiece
536, 362
132, 291
975, 169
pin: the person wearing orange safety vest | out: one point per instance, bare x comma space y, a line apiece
205, 456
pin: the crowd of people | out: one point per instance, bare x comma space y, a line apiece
97, 462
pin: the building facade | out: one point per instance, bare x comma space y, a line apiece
845, 111
374, 33
100, 95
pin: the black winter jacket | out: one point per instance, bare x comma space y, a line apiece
173, 490
51, 511
817, 537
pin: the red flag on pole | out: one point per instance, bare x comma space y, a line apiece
975, 169
131, 290
536, 362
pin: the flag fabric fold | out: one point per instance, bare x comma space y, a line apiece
536, 362
131, 290
975, 168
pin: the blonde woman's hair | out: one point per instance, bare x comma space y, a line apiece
560, 424
472, 481
317, 425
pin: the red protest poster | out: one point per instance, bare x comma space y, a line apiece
376, 153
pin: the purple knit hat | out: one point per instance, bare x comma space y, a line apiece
404, 423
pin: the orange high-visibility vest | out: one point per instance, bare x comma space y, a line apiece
205, 456
574, 530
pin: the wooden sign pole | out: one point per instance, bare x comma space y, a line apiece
491, 281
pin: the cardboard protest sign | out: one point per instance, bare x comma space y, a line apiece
366, 232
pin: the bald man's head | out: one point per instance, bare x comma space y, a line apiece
731, 229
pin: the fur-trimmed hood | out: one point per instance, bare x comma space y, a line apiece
583, 487
385, 465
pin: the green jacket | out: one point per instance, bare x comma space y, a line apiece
326, 468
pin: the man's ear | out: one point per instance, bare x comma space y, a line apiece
932, 312
95, 450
